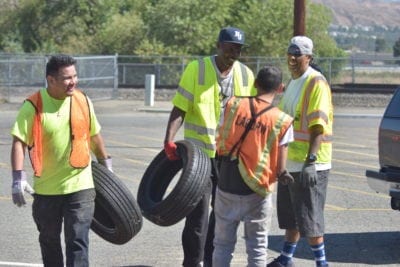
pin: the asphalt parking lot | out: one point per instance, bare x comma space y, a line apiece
361, 229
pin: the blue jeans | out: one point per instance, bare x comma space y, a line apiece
77, 211
256, 213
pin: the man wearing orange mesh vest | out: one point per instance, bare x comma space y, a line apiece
59, 129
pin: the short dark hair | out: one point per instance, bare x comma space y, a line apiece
58, 61
269, 78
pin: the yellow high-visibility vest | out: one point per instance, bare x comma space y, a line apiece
314, 108
198, 96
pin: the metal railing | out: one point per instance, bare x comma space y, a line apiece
21, 75
102, 76
167, 70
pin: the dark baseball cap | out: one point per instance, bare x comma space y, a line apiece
231, 35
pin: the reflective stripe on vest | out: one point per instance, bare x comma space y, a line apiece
298, 149
199, 129
283, 121
302, 133
244, 74
260, 172
79, 129
209, 147
202, 120
202, 70
186, 94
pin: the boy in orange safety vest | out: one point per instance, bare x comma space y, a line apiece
252, 148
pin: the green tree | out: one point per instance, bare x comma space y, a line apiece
155, 27
193, 29
64, 26
122, 34
268, 25
74, 24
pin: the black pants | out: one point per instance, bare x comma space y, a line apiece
76, 210
198, 232
209, 247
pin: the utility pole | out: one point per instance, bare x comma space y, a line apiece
299, 23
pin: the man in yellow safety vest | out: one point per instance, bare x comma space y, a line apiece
300, 205
204, 89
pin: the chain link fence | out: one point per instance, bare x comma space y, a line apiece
360, 69
105, 77
22, 75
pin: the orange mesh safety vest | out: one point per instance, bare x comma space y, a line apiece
258, 156
80, 132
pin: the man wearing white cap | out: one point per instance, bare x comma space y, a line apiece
300, 205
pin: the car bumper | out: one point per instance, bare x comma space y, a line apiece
386, 182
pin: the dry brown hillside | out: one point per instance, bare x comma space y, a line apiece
364, 12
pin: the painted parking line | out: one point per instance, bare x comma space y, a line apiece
3, 165
329, 207
352, 115
139, 162
356, 153
349, 145
131, 146
9, 263
134, 133
356, 164
358, 191
346, 174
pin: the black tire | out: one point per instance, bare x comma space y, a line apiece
117, 216
183, 198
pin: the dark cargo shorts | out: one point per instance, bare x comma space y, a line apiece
303, 208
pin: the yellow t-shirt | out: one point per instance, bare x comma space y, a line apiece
58, 176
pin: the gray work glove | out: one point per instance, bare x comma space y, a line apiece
107, 162
308, 175
285, 178
19, 187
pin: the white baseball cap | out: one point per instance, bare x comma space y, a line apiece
300, 45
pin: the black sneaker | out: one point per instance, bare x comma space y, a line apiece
276, 263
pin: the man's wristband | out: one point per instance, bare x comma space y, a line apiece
311, 158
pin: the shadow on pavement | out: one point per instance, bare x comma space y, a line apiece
359, 248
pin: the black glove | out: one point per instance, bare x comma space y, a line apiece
285, 178
308, 175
